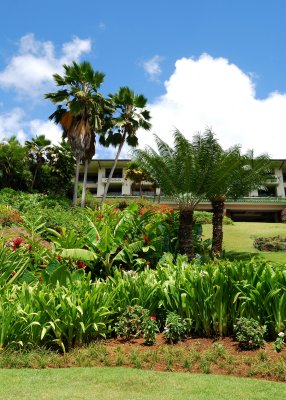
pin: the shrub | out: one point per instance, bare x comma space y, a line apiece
205, 217
275, 243
175, 328
249, 333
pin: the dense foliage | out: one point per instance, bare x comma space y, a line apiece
75, 311
31, 167
67, 276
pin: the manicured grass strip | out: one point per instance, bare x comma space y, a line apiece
125, 384
240, 236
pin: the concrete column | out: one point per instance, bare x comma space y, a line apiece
100, 185
280, 188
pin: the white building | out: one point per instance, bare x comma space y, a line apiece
268, 203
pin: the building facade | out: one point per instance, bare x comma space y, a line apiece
267, 203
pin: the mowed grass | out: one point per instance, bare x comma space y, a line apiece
239, 238
130, 384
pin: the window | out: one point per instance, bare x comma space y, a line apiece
116, 174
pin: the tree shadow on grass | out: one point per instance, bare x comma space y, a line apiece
240, 255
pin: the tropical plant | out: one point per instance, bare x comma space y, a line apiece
80, 112
130, 115
182, 173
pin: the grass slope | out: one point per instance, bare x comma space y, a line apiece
239, 237
120, 383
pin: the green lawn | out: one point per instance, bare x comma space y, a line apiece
130, 384
239, 237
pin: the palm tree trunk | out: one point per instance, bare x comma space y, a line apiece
35, 175
82, 204
186, 233
218, 207
113, 168
76, 182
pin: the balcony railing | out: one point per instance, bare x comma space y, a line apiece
117, 180
273, 180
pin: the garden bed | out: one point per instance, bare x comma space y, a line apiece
193, 355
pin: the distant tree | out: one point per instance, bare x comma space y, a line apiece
60, 169
130, 114
14, 165
37, 151
137, 175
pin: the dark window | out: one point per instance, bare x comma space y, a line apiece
116, 174
267, 192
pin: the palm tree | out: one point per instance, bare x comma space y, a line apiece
182, 173
80, 112
130, 115
233, 175
37, 150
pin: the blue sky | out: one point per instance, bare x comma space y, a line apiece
216, 63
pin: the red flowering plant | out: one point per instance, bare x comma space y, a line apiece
130, 323
150, 328
9, 216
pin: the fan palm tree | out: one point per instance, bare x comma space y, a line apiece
182, 173
80, 112
130, 115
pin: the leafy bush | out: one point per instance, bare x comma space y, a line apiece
249, 333
275, 243
175, 328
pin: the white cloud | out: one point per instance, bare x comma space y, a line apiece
48, 128
15, 123
11, 125
152, 67
30, 71
211, 92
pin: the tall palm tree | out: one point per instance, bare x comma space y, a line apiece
130, 115
182, 173
80, 112
37, 149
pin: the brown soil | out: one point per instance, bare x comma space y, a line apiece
198, 355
